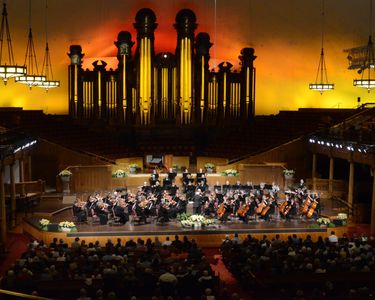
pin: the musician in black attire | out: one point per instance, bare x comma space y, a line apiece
154, 178
79, 211
119, 212
146, 189
163, 214
197, 202
228, 210
200, 176
170, 178
226, 187
189, 191
102, 212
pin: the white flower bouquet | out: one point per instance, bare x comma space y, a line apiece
230, 172
342, 216
323, 221
65, 172
119, 174
66, 224
288, 172
196, 220
44, 222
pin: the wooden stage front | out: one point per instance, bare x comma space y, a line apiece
205, 237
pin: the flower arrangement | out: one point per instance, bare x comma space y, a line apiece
65, 172
288, 172
66, 224
323, 221
342, 216
209, 166
44, 222
230, 172
119, 174
194, 220
135, 166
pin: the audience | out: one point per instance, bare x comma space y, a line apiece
299, 262
132, 270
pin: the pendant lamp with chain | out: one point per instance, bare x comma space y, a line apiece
33, 77
8, 69
321, 82
49, 83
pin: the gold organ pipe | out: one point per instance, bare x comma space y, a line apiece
202, 89
99, 92
134, 100
189, 80
174, 100
238, 97
182, 90
156, 96
124, 104
247, 86
224, 92
75, 97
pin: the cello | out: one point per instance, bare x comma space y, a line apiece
312, 209
242, 211
221, 210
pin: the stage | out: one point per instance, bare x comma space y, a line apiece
210, 236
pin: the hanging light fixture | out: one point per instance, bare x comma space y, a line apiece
321, 82
32, 78
49, 83
367, 69
8, 69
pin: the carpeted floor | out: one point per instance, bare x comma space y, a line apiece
227, 279
16, 244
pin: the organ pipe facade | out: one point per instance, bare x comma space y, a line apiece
150, 89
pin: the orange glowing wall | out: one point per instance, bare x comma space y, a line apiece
285, 34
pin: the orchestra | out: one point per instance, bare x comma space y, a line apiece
244, 202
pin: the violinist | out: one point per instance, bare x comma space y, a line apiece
201, 176
101, 210
119, 211
79, 211
171, 175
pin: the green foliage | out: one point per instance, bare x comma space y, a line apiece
314, 226
331, 225
183, 216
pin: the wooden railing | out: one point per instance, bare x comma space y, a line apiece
17, 295
27, 187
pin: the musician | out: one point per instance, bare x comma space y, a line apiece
237, 186
157, 190
101, 210
197, 202
202, 185
201, 176
163, 213
154, 178
248, 187
227, 208
79, 211
189, 191
217, 187
119, 211
244, 210
146, 189
171, 175
173, 189
226, 187
185, 176
302, 186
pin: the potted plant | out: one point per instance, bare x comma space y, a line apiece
65, 175
230, 172
209, 167
67, 226
43, 224
133, 168
288, 174
119, 174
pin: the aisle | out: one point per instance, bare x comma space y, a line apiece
229, 282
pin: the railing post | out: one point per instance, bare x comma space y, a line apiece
331, 172
351, 187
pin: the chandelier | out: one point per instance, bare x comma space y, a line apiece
321, 82
49, 83
8, 69
367, 80
32, 78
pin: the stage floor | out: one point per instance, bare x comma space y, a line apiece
208, 236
